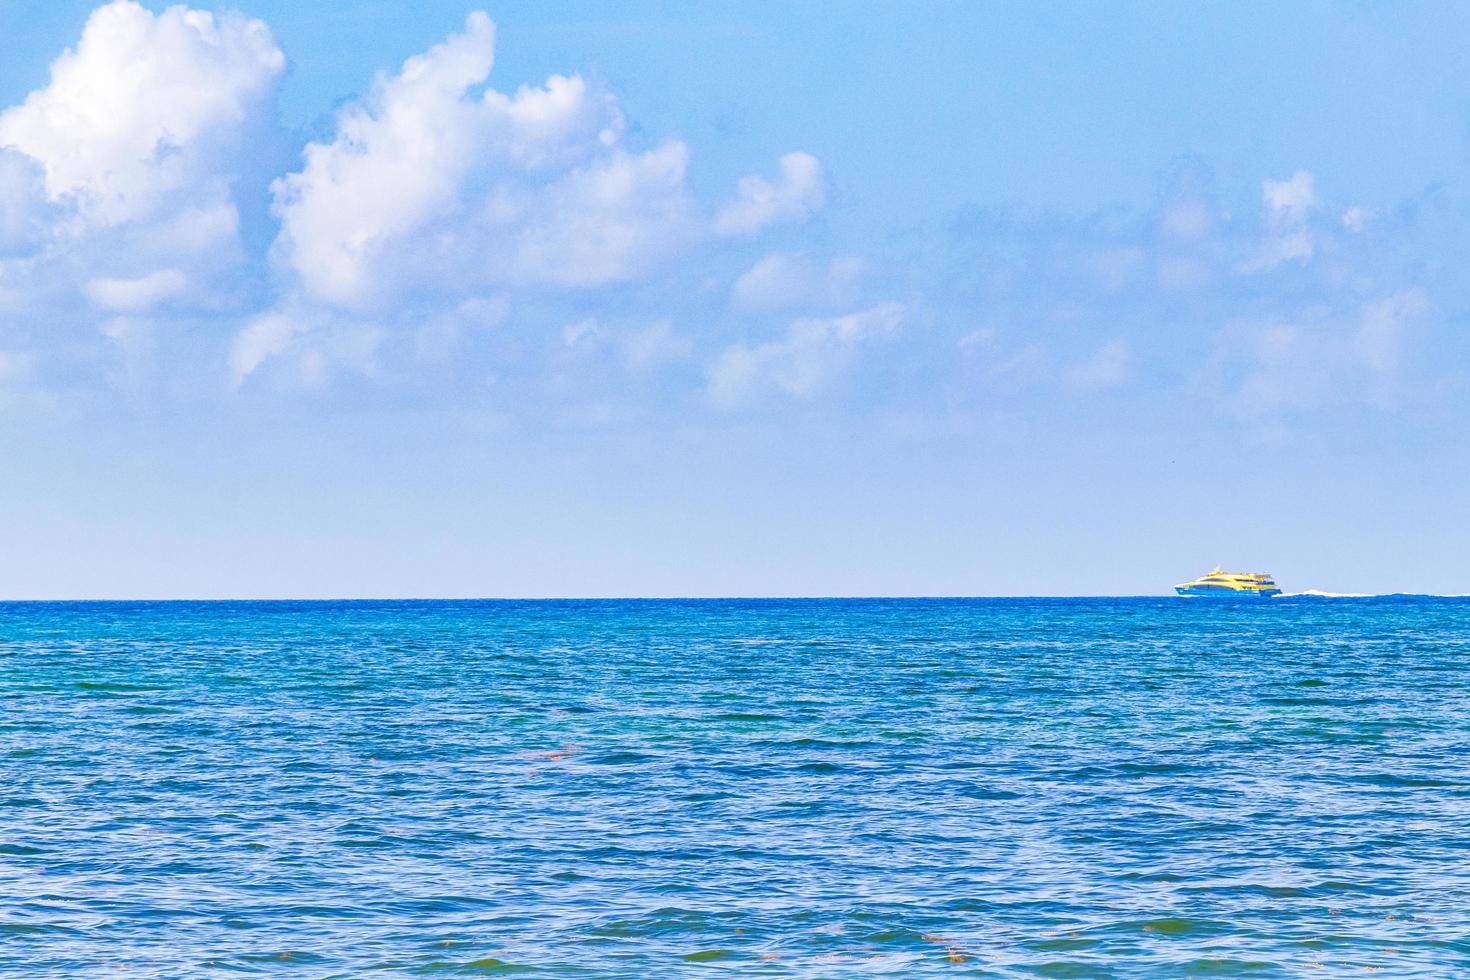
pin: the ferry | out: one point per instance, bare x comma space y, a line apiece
1218, 583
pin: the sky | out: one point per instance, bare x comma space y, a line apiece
372, 299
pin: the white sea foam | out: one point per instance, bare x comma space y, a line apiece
1330, 595
1375, 595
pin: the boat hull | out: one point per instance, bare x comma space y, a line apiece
1219, 593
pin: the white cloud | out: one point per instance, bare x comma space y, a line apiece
23, 209
1383, 333
1290, 200
307, 348
1358, 218
1317, 360
608, 222
807, 359
988, 364
1187, 220
579, 331
1292, 246
136, 110
797, 192
429, 185
1288, 204
1187, 214
139, 294
434, 188
782, 280
979, 339
118, 177
1105, 369
777, 280
265, 337
640, 350
439, 338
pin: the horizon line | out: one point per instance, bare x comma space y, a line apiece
1310, 593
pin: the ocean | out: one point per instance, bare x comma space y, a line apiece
825, 788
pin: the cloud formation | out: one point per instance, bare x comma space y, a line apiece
440, 225
435, 189
784, 280
1320, 359
24, 211
123, 178
117, 179
137, 294
431, 184
264, 337
809, 357
143, 108
1288, 206
798, 192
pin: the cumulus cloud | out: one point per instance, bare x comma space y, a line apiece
1288, 204
798, 191
811, 355
1291, 199
118, 177
431, 198
782, 280
434, 190
432, 185
607, 222
143, 107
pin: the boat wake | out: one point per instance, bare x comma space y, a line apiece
1318, 593
1329, 595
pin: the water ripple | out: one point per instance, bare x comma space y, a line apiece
1088, 788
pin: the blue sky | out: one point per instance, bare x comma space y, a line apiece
380, 299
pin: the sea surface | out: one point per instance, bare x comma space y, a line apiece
1056, 788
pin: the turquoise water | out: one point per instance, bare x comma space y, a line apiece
1129, 787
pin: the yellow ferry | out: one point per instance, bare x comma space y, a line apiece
1219, 583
